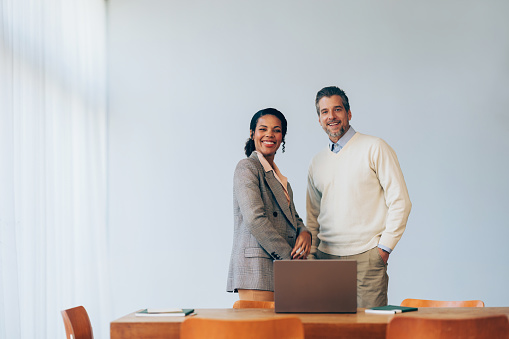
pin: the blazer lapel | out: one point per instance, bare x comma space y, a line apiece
277, 190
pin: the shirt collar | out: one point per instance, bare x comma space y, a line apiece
266, 166
342, 141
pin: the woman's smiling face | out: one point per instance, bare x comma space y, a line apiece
268, 135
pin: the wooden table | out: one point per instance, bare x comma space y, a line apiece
359, 325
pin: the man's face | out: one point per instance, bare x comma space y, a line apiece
333, 117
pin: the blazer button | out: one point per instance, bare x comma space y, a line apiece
274, 214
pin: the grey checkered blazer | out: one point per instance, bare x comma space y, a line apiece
265, 227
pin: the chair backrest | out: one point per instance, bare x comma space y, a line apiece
428, 328
77, 324
253, 304
272, 328
441, 303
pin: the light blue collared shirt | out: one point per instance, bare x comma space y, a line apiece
338, 146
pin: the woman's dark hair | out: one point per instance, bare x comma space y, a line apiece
250, 146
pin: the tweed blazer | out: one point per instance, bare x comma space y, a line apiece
265, 226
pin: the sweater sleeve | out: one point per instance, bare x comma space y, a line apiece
396, 195
313, 200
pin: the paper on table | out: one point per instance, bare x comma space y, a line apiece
390, 309
383, 311
164, 310
175, 312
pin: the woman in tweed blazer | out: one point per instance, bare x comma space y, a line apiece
266, 224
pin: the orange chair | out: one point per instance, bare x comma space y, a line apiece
403, 327
273, 328
440, 303
253, 304
77, 324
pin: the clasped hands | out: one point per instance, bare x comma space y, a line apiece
302, 246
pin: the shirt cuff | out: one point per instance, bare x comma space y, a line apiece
384, 248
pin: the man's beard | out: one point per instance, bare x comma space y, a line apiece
335, 135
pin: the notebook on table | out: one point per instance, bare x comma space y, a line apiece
315, 286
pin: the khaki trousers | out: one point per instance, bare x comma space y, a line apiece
372, 278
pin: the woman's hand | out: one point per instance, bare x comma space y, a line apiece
302, 246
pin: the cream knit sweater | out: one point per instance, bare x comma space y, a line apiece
356, 198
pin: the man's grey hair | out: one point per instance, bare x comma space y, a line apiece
328, 92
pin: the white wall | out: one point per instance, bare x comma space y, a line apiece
185, 77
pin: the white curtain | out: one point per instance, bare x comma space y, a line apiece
53, 236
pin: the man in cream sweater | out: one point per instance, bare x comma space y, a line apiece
357, 200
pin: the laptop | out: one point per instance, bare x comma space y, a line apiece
315, 286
